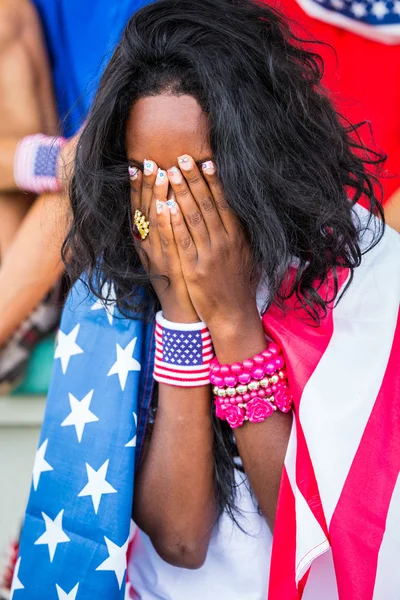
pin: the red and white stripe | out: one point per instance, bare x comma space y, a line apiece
183, 376
24, 164
387, 33
337, 531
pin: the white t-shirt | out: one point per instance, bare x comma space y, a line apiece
236, 567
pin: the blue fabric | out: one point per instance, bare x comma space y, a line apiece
77, 522
80, 37
105, 362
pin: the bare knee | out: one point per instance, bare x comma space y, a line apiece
15, 16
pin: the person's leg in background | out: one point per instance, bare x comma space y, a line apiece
26, 99
27, 225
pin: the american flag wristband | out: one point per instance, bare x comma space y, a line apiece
183, 353
35, 163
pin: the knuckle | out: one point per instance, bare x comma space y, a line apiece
178, 221
153, 222
222, 205
206, 204
186, 242
147, 185
221, 246
135, 186
195, 219
183, 192
217, 185
193, 178
165, 242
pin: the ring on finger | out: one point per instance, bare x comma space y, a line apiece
141, 226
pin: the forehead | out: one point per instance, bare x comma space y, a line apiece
163, 127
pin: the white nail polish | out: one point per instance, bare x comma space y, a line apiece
173, 207
133, 173
159, 207
148, 167
161, 176
208, 167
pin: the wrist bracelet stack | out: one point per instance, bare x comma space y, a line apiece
183, 353
35, 163
251, 390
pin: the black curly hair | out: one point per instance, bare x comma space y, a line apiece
276, 138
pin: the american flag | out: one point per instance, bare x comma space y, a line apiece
78, 519
337, 529
183, 356
375, 19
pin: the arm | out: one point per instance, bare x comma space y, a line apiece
8, 146
33, 263
262, 446
174, 493
216, 264
174, 496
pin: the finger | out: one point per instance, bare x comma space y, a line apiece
135, 178
160, 190
166, 235
202, 194
226, 215
189, 208
186, 247
148, 181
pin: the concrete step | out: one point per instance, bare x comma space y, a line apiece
20, 422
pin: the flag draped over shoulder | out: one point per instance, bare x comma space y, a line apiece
75, 536
337, 531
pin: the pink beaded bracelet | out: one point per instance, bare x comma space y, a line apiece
251, 390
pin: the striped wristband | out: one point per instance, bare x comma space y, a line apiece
183, 353
35, 163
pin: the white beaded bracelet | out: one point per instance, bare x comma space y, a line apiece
183, 353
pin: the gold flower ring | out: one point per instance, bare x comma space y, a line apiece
141, 226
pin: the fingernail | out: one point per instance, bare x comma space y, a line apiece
159, 207
148, 167
173, 207
208, 167
175, 175
133, 173
185, 162
161, 175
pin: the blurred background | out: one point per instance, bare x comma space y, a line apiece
52, 54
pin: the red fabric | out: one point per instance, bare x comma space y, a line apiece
378, 454
364, 80
282, 584
303, 347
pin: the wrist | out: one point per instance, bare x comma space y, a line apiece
238, 337
183, 353
35, 163
178, 314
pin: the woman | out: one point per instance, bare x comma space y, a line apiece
214, 182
